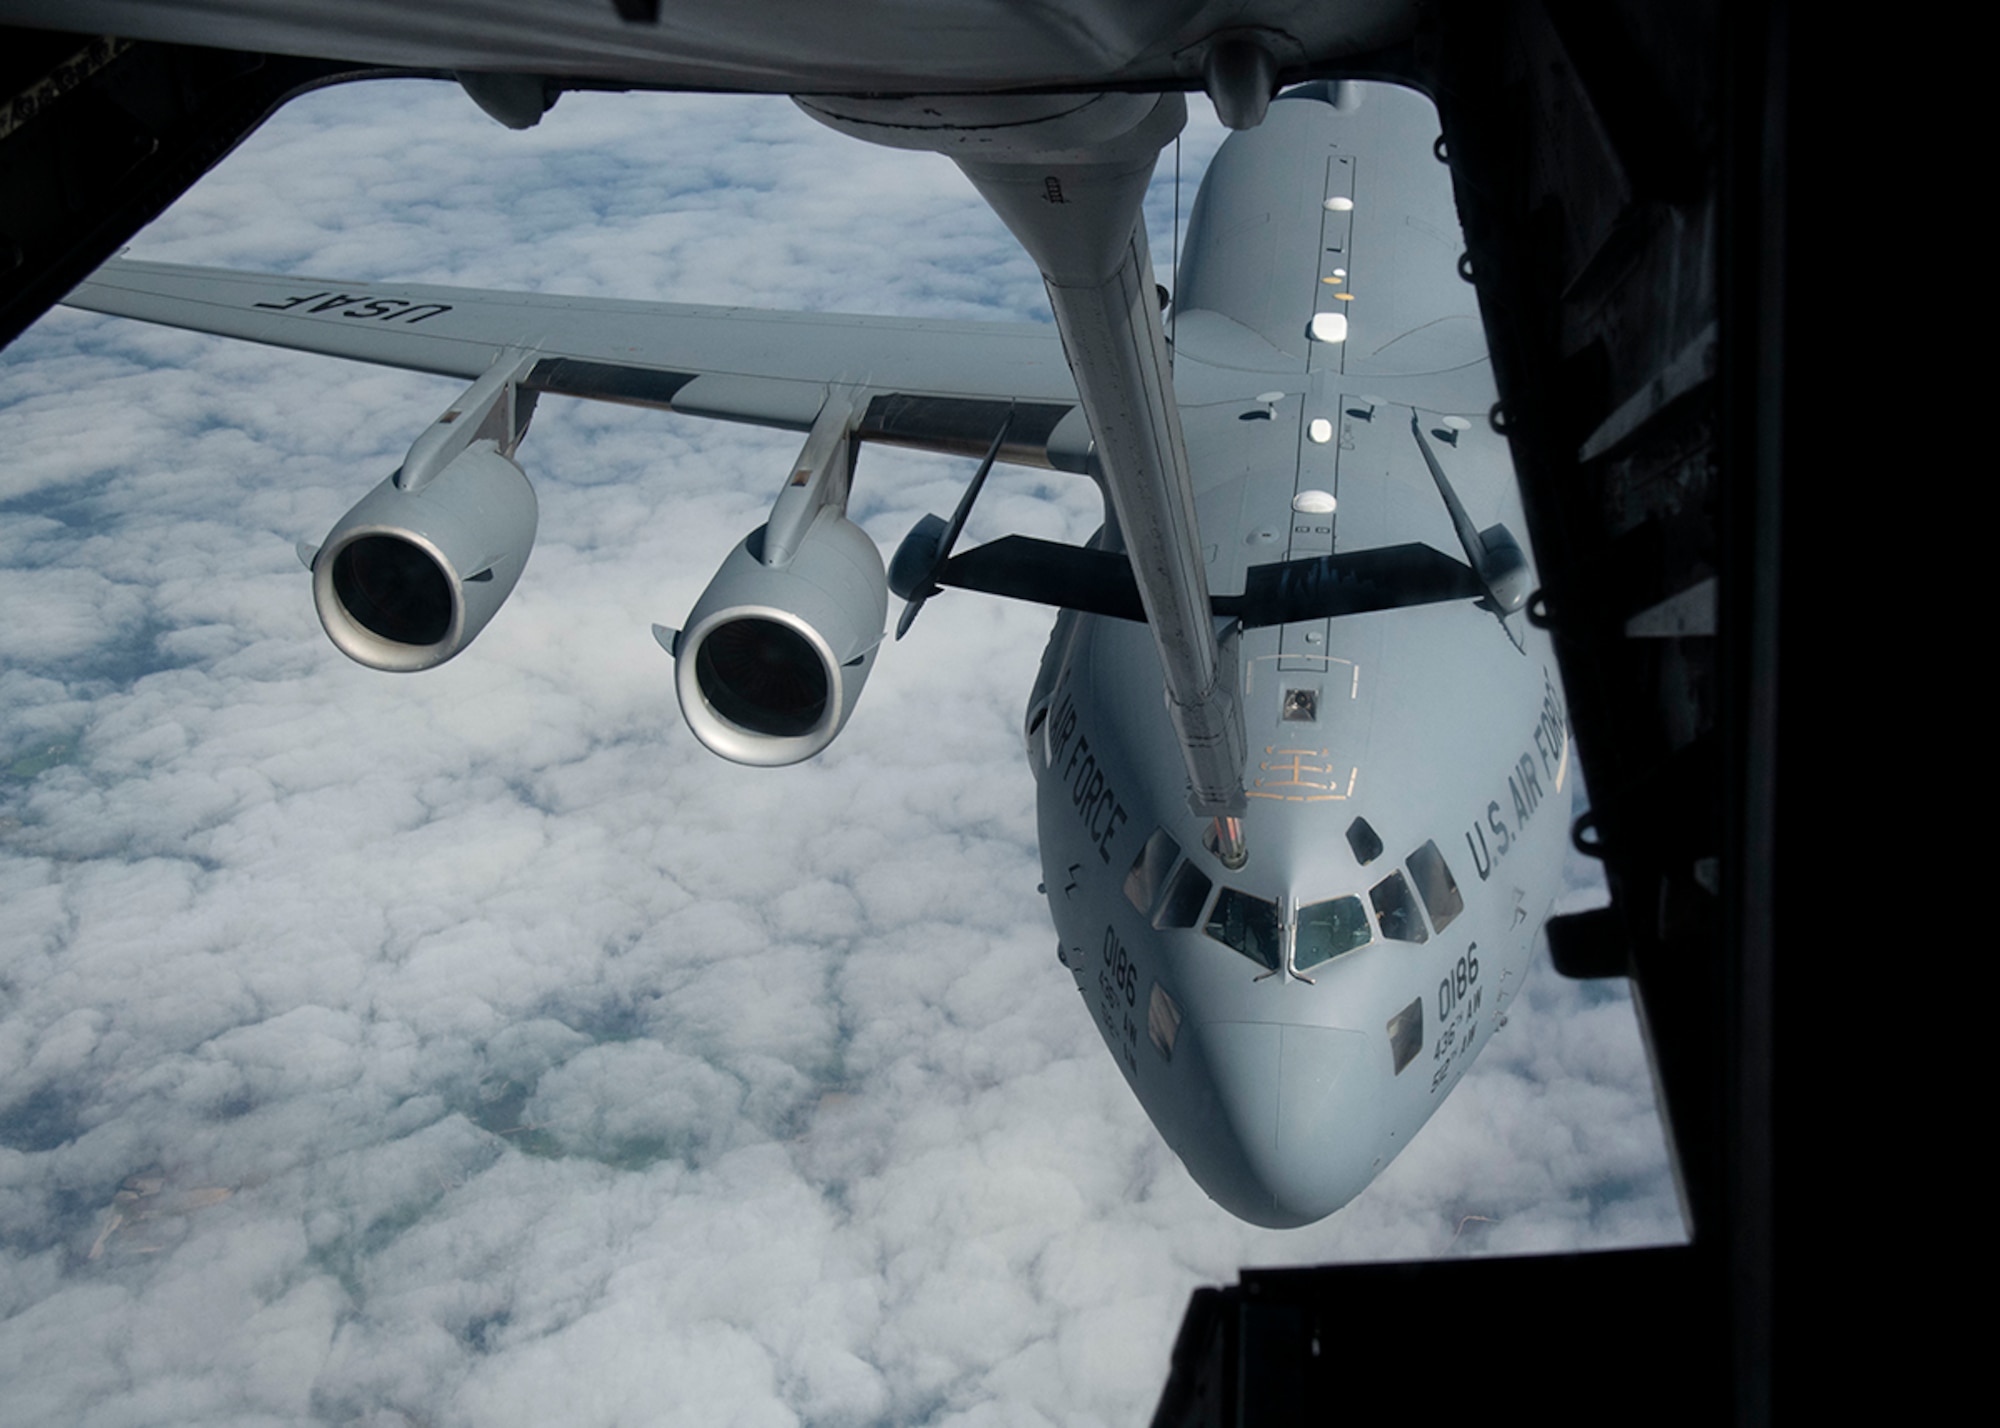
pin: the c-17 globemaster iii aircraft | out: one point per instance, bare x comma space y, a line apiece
1292, 757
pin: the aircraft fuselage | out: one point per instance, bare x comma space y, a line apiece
1291, 1024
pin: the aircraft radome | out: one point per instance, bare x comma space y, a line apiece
1300, 771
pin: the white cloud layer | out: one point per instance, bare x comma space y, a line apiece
473, 1048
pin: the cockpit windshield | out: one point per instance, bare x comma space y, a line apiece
1249, 924
1327, 929
1252, 926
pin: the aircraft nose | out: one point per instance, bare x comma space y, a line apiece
1289, 1101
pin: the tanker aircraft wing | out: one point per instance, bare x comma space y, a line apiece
938, 385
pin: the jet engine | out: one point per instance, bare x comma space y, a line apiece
409, 576
774, 655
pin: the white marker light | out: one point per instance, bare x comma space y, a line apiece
1319, 431
1329, 327
1338, 204
1313, 503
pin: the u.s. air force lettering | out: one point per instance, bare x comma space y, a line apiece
1551, 742
1091, 793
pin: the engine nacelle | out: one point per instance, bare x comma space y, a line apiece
774, 657
408, 578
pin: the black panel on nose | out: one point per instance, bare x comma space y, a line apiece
764, 677
393, 589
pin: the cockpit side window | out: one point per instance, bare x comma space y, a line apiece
1149, 870
1249, 924
1397, 911
1327, 929
1436, 886
1187, 894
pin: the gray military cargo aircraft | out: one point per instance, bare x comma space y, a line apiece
1291, 755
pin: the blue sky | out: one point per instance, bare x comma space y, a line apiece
474, 1047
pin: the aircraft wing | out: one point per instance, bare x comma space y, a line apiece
938, 385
